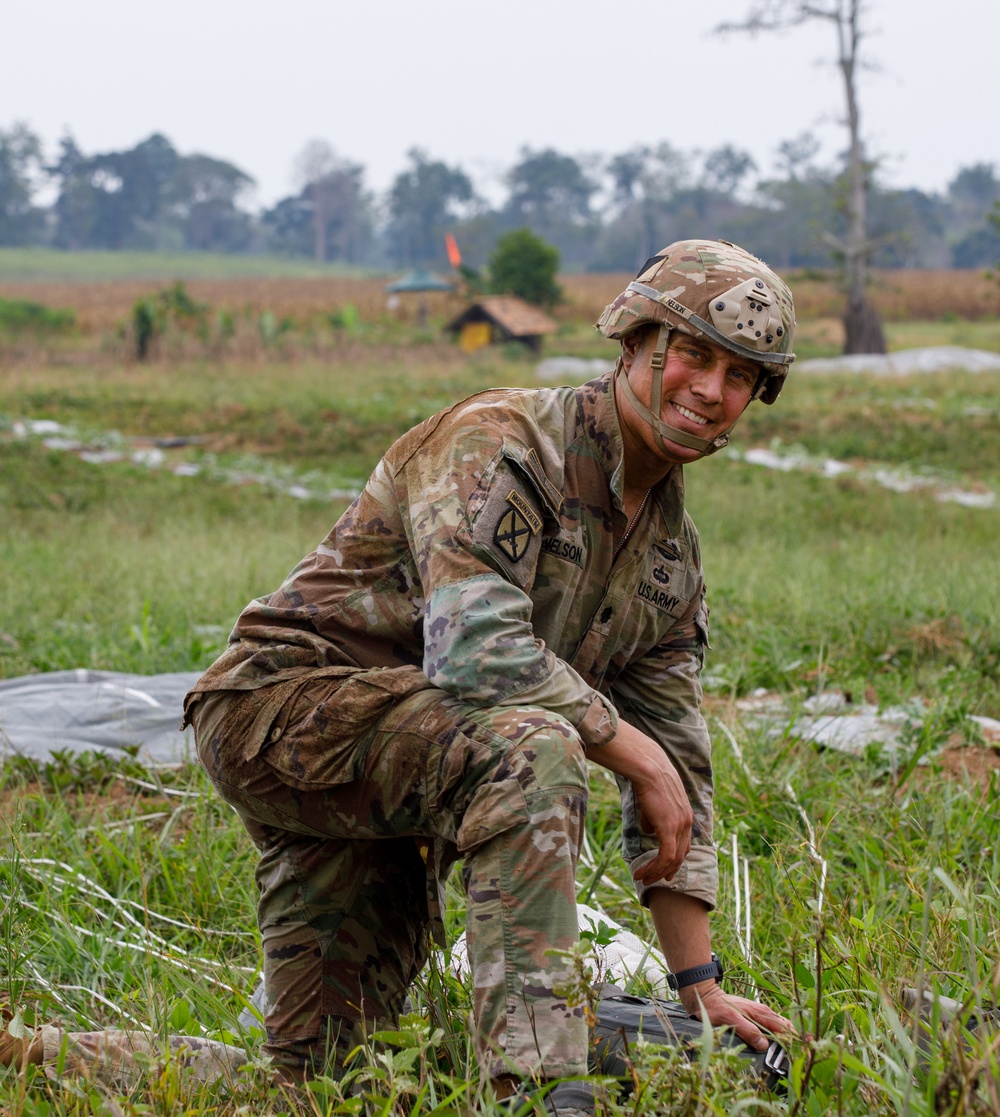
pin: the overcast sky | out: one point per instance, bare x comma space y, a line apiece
473, 82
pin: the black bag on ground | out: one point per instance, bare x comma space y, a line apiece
622, 1019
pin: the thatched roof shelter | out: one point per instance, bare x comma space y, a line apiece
498, 318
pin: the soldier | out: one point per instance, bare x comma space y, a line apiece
517, 590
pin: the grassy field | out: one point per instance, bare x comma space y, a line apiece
49, 265
126, 899
102, 288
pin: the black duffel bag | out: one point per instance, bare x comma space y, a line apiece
622, 1019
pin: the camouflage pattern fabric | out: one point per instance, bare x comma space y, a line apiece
343, 914
118, 1057
717, 290
480, 582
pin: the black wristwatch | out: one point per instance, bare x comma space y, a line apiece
695, 974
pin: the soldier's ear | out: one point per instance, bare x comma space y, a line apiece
631, 344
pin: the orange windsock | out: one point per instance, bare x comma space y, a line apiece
451, 246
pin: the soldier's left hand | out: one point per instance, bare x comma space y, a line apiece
744, 1016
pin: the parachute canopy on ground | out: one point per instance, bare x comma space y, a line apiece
495, 319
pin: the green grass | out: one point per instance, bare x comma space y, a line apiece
22, 316
49, 265
865, 877
943, 421
983, 333
820, 338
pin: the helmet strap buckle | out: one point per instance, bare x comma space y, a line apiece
658, 358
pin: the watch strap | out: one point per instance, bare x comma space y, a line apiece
692, 976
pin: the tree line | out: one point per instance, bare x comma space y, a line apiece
603, 213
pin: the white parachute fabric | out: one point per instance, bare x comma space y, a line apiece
103, 711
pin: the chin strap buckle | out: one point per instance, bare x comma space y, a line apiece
658, 358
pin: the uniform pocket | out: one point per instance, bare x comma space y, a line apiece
316, 740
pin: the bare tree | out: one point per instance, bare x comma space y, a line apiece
863, 328
316, 160
334, 189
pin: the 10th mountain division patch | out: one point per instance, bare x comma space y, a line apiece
516, 526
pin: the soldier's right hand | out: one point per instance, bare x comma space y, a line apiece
661, 798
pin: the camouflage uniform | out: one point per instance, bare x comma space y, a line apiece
422, 688
118, 1057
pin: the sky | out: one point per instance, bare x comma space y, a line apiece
473, 83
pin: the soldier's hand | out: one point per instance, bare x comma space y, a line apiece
745, 1017
666, 812
661, 798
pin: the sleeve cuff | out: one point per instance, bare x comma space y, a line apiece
698, 876
600, 723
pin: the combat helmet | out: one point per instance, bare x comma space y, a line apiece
713, 290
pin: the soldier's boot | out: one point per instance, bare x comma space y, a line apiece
20, 1051
575, 1098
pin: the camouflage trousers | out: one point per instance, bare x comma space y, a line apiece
118, 1057
350, 826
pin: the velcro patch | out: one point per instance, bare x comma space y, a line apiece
565, 546
534, 520
516, 527
661, 599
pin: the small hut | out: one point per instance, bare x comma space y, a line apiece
494, 319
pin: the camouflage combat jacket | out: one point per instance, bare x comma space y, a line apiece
482, 552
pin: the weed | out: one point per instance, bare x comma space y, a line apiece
23, 316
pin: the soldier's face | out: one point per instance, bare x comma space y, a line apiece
705, 390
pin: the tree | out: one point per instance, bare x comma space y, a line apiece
116, 199
973, 191
148, 196
725, 169
994, 219
550, 193
147, 173
75, 203
203, 195
525, 265
626, 170
863, 328
20, 161
795, 157
547, 187
334, 196
971, 195
424, 202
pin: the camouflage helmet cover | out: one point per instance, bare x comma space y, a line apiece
718, 291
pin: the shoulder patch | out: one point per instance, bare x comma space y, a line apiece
508, 525
515, 527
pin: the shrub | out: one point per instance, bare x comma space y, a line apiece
152, 315
21, 316
526, 266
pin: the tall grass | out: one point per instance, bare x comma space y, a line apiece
123, 904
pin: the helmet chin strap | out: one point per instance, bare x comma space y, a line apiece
651, 414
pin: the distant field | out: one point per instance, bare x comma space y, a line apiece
102, 287
101, 304
47, 265
898, 295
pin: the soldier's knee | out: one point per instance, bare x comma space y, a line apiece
550, 751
